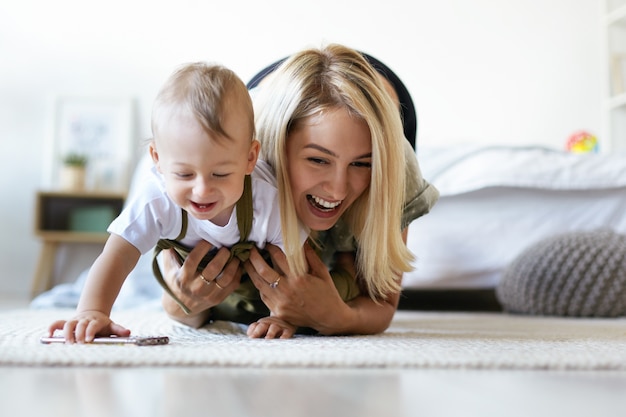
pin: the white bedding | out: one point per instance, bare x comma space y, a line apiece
495, 201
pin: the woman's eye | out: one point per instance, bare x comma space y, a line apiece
319, 161
362, 164
182, 175
219, 175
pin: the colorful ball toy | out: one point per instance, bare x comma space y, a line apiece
582, 142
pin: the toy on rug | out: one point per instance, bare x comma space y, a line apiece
578, 274
582, 142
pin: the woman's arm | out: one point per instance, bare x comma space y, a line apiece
313, 301
376, 316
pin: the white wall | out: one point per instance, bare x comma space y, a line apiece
480, 71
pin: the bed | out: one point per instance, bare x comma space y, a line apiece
495, 202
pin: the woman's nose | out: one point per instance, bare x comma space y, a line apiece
337, 184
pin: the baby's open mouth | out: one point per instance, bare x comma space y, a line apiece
204, 206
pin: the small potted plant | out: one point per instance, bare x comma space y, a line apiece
73, 171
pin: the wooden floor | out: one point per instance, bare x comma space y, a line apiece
224, 392
177, 392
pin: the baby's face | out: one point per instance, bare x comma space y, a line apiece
204, 174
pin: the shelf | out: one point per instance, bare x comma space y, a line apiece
63, 217
84, 194
614, 91
617, 102
617, 16
73, 237
77, 214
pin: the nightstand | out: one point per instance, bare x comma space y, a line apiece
70, 217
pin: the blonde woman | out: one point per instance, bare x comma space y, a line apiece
332, 136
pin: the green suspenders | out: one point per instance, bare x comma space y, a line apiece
241, 250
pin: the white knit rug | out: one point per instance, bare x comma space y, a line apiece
414, 340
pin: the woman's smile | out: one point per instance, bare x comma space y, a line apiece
322, 204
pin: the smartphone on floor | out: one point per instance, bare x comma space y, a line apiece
114, 340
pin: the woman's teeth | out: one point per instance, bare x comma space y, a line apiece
326, 204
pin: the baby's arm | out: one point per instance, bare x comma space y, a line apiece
104, 282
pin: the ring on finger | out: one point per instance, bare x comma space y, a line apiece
206, 281
217, 284
275, 283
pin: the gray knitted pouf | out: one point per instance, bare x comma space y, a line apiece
580, 274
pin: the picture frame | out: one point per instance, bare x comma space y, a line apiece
97, 128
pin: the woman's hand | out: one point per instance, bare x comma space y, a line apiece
199, 292
310, 300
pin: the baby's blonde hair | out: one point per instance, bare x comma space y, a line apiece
306, 84
206, 91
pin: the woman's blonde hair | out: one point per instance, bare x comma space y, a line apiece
335, 76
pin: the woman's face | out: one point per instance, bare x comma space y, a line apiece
329, 158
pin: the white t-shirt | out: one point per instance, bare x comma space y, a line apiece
150, 215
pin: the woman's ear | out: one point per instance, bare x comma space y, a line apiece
253, 155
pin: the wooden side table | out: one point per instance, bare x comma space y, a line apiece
70, 217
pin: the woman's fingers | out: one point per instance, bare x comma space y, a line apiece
317, 268
279, 259
260, 272
217, 265
230, 277
190, 265
199, 291
185, 280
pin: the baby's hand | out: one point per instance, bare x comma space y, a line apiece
271, 328
86, 325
